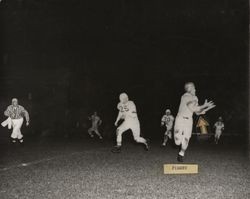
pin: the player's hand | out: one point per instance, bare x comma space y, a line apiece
208, 104
116, 123
212, 105
27, 123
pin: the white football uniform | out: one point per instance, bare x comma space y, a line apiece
168, 120
131, 121
96, 121
184, 121
128, 110
219, 127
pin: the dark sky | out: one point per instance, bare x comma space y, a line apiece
89, 51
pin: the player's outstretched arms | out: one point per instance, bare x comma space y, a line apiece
207, 104
200, 110
204, 110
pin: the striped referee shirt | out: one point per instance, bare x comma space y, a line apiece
16, 112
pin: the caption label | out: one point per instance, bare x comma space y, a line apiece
180, 168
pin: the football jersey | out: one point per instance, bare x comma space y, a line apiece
183, 108
95, 120
168, 120
219, 126
128, 109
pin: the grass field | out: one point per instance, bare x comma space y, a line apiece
86, 168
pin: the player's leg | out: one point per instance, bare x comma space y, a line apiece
184, 143
119, 131
20, 138
90, 132
168, 135
218, 137
19, 133
170, 132
136, 130
98, 133
186, 134
14, 131
178, 138
165, 139
178, 131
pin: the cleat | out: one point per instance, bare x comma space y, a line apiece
14, 141
180, 158
116, 149
163, 144
21, 141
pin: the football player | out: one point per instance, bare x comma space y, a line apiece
96, 122
168, 121
184, 119
219, 127
127, 113
15, 114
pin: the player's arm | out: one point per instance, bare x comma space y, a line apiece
162, 120
200, 110
193, 107
120, 114
119, 117
26, 115
7, 112
204, 110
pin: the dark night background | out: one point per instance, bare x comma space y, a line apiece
77, 56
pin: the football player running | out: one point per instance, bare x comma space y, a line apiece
127, 113
219, 127
168, 121
184, 119
96, 122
